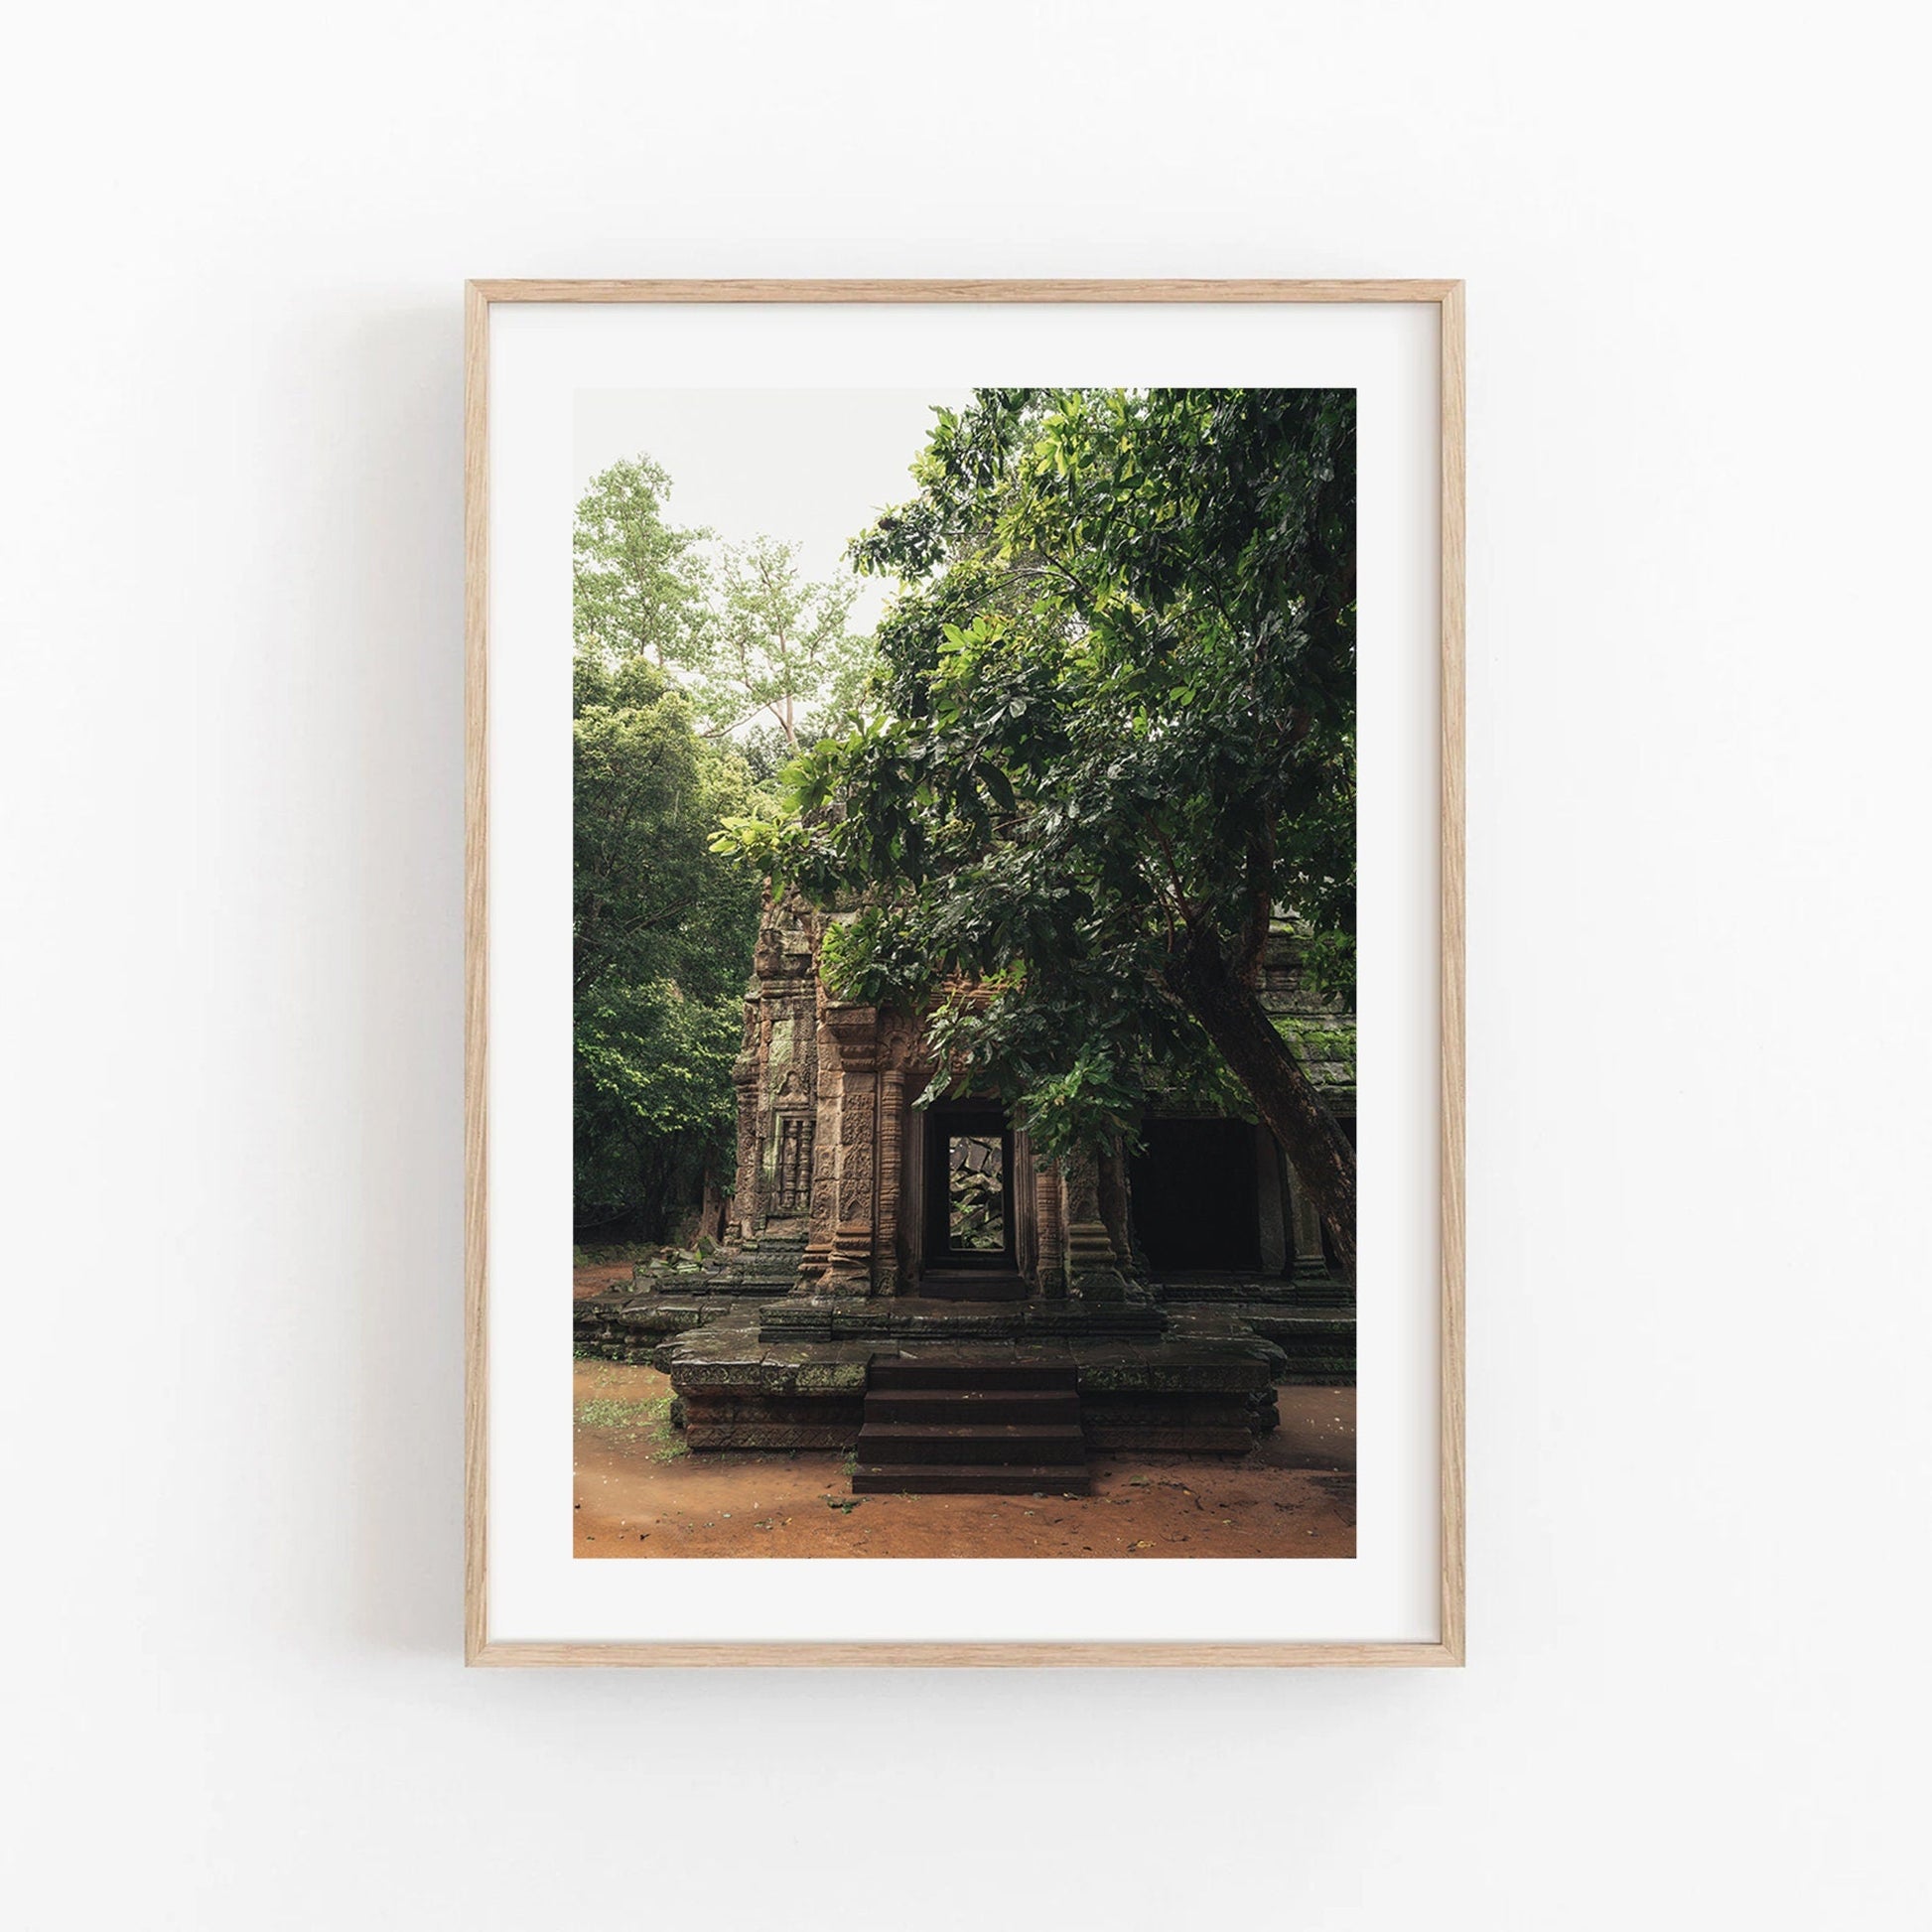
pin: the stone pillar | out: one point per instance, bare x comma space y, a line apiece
1310, 1264
1051, 1273
744, 1188
774, 1075
1025, 1236
911, 1200
1268, 1194
817, 1257
891, 1132
855, 1029
1114, 1211
1092, 1267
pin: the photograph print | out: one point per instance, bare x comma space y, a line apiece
964, 802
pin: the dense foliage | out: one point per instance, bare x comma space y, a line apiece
638, 583
664, 932
1112, 737
752, 643
780, 655
697, 670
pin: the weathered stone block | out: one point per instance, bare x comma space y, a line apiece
772, 1436
835, 1377
1161, 1440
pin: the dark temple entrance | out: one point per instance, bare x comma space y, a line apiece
1196, 1196
969, 1219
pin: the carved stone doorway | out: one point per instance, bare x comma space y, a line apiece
970, 1245
1197, 1198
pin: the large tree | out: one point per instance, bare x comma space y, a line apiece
1114, 739
780, 653
754, 644
640, 585
699, 668
663, 931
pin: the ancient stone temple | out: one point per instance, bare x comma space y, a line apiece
874, 1253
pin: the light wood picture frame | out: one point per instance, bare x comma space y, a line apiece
485, 298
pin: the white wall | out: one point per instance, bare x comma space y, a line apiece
1699, 1044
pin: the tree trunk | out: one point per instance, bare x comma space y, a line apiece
1210, 987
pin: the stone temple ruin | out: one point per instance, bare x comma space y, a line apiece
913, 1285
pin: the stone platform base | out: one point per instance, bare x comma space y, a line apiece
1319, 1349
762, 1269
627, 1329
1310, 1346
723, 1418
1313, 1322
739, 1386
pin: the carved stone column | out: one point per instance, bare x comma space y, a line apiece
1026, 1194
774, 1075
856, 1031
1046, 1225
817, 1257
744, 1077
1269, 1193
912, 1196
1092, 1267
1311, 1263
891, 1133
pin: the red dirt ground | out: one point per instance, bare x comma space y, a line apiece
641, 1494
595, 1277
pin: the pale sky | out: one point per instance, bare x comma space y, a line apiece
811, 466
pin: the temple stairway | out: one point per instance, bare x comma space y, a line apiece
939, 1427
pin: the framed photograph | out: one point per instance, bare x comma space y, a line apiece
964, 1094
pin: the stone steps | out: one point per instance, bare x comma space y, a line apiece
1057, 1442
962, 1428
1020, 1406
930, 1374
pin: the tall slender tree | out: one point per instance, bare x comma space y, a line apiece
781, 651
639, 584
